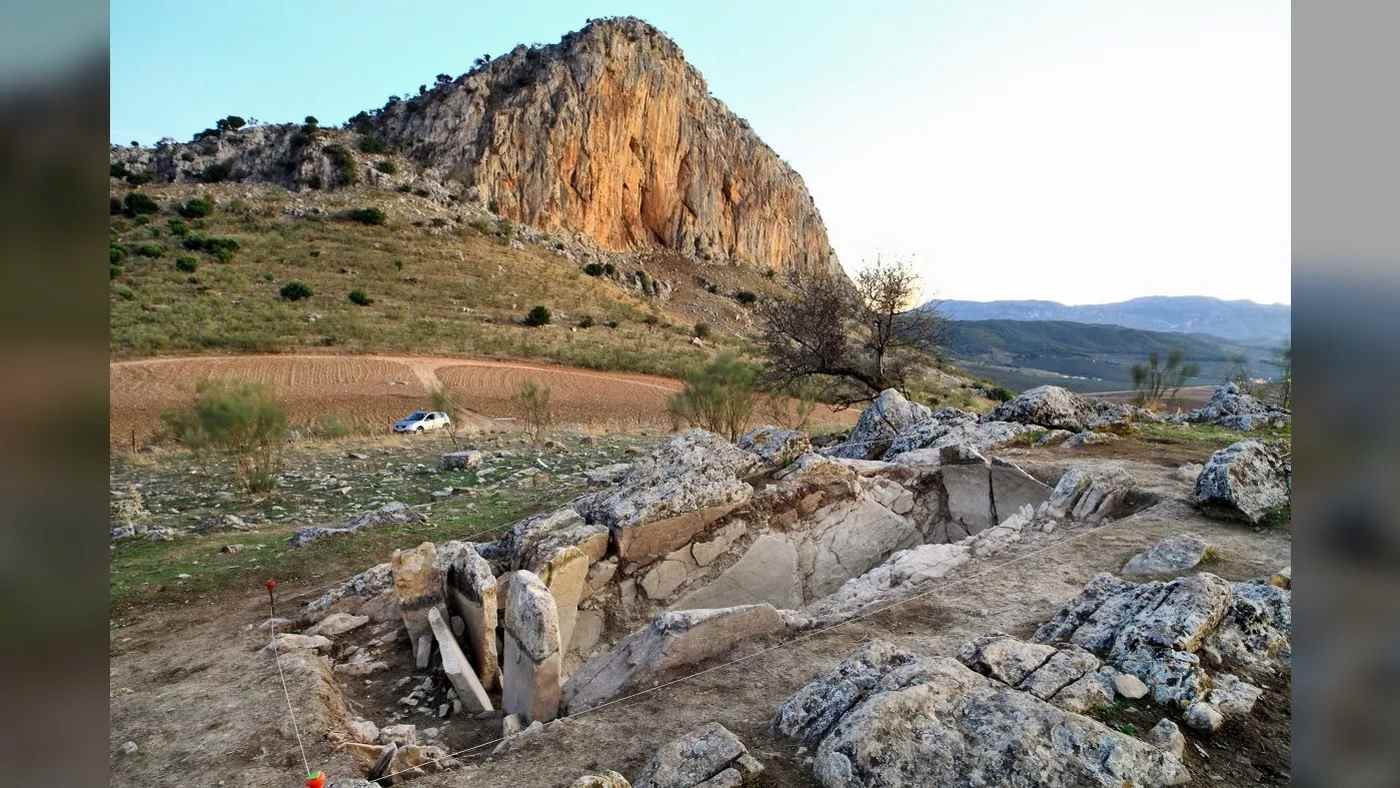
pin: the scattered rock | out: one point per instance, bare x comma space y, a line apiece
1053, 438
1231, 408
1054, 407
1129, 686
1245, 481
1166, 736
337, 624
1090, 494
608, 779
129, 748
775, 446
461, 460
1082, 439
286, 641
1204, 717
1171, 556
709, 755
1283, 578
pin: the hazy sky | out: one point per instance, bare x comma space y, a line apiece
1075, 151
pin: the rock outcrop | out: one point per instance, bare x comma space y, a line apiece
608, 135
1231, 408
1054, 407
887, 716
1246, 481
884, 419
707, 757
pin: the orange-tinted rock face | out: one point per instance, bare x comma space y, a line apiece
612, 134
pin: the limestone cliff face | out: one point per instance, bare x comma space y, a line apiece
612, 134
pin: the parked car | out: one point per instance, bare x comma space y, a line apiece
422, 421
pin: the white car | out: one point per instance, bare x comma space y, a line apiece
422, 421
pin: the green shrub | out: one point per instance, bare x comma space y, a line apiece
372, 143
539, 316
438, 221
505, 229
344, 163
216, 172
221, 249
1000, 394
119, 170
609, 269
138, 179
116, 253
593, 269
242, 421
186, 264
586, 322
366, 216
702, 330
138, 203
295, 291
125, 292
358, 298
720, 397
116, 271
533, 403
404, 188
196, 207
745, 297
177, 227
387, 167
150, 250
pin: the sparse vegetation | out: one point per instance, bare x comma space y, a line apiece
116, 253
702, 330
372, 143
138, 203
366, 216
150, 250
746, 297
387, 167
186, 264
343, 162
593, 269
217, 172
242, 421
222, 249
1155, 381
533, 403
719, 397
358, 298
538, 316
196, 208
295, 291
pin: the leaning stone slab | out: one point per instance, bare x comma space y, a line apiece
454, 664
472, 595
565, 574
671, 640
535, 540
418, 587
698, 758
531, 666
1013, 488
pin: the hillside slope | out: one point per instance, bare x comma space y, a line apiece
609, 134
1234, 320
1084, 356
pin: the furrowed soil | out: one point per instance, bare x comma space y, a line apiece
338, 394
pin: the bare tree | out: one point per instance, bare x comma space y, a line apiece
859, 337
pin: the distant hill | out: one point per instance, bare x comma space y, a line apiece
1232, 320
1088, 357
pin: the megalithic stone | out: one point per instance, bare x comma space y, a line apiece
531, 669
455, 665
564, 574
472, 595
418, 586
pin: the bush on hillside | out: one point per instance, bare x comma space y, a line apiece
366, 216
150, 250
221, 249
745, 297
533, 403
196, 207
295, 291
116, 271
217, 172
138, 203
586, 321
177, 227
119, 170
115, 204
138, 179
242, 421
343, 162
539, 316
358, 298
387, 167
1000, 394
702, 330
116, 253
373, 143
593, 269
719, 397
186, 264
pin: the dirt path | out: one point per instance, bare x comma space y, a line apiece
198, 702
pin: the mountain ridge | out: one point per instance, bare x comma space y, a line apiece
609, 134
1237, 320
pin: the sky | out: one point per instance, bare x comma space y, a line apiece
1081, 151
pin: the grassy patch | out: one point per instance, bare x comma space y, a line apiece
1205, 437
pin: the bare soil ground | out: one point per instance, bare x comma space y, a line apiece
366, 394
189, 689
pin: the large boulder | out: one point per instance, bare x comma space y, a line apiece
532, 661
392, 513
1054, 407
1089, 493
887, 717
1229, 407
670, 641
1244, 481
709, 756
888, 416
692, 471
953, 427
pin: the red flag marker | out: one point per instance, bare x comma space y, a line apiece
317, 780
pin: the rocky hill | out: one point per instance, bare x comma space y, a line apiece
608, 135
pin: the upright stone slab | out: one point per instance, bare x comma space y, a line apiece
455, 665
532, 657
472, 595
565, 574
418, 586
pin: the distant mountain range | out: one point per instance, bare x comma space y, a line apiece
1089, 357
1241, 321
